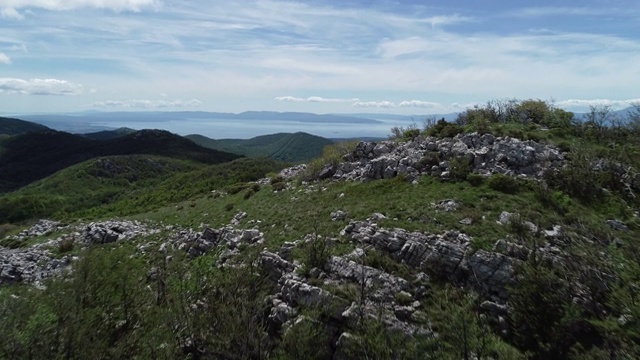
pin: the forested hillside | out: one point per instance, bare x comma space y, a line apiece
297, 147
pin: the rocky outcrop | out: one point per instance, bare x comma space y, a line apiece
486, 154
447, 255
29, 265
111, 231
196, 243
41, 228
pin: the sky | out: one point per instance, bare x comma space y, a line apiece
321, 56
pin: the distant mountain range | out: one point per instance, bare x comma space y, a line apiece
30, 151
93, 121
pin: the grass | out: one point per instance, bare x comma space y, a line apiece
289, 215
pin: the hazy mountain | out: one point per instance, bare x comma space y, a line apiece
9, 126
109, 134
283, 146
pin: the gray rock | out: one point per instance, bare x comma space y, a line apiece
617, 225
338, 215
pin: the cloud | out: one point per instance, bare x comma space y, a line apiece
9, 8
10, 13
440, 20
4, 59
39, 87
375, 104
618, 104
314, 99
545, 11
290, 99
148, 104
420, 104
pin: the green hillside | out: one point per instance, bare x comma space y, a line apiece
109, 134
125, 185
509, 234
32, 156
287, 147
9, 126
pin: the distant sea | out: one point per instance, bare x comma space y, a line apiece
245, 128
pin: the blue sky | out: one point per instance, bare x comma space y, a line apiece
319, 56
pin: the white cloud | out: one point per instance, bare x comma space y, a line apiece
9, 8
148, 104
290, 98
420, 104
545, 11
435, 21
375, 104
39, 87
4, 59
314, 99
582, 103
10, 13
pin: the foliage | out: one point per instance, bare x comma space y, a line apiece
331, 156
286, 147
504, 183
126, 185
475, 179
9, 126
33, 156
459, 168
401, 133
444, 129
542, 312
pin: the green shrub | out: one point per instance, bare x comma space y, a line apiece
315, 253
66, 245
504, 183
236, 188
276, 179
431, 158
6, 229
248, 194
11, 243
279, 186
475, 179
228, 206
515, 133
459, 168
443, 129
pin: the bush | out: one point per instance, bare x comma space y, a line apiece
276, 179
11, 243
578, 179
459, 168
475, 179
504, 183
236, 188
5, 229
279, 186
249, 193
443, 129
315, 254
229, 207
432, 158
66, 245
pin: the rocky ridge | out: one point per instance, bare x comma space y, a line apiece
486, 155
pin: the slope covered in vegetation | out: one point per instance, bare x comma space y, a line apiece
296, 147
10, 126
509, 234
32, 156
